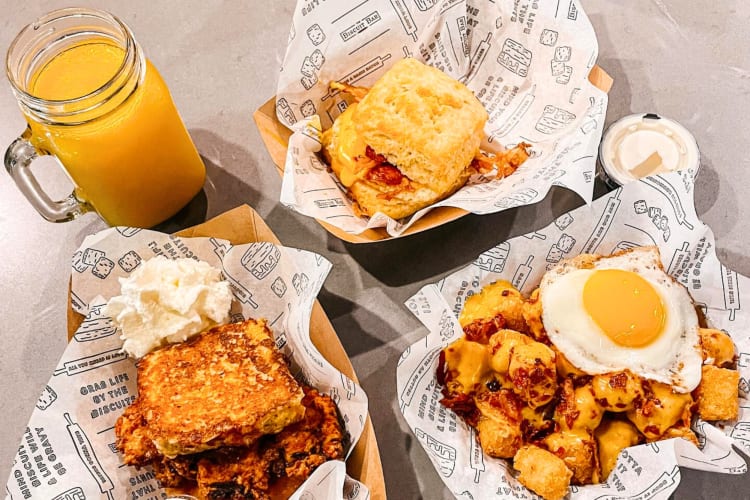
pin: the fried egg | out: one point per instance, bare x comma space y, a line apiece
608, 314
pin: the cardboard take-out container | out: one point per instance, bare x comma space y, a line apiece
244, 225
276, 138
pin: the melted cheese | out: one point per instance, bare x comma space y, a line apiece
347, 149
470, 361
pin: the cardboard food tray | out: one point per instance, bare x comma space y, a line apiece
244, 225
276, 138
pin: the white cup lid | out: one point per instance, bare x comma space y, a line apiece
640, 145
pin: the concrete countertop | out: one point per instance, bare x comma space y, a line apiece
685, 60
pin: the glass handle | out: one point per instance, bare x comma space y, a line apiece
18, 158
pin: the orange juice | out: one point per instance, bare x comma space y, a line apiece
130, 157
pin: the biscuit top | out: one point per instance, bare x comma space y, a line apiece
423, 121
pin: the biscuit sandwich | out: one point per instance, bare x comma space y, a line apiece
410, 141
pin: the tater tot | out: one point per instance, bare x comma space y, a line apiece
532, 314
499, 424
577, 408
717, 347
612, 436
681, 431
660, 409
717, 394
617, 392
532, 372
500, 297
578, 450
501, 345
542, 472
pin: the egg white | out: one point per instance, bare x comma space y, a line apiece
673, 358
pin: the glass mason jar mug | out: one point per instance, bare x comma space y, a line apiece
93, 100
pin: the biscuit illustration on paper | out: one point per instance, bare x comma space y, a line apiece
563, 221
315, 34
78, 264
566, 242
515, 57
300, 282
283, 109
260, 259
548, 37
278, 287
309, 81
129, 261
308, 68
493, 260
640, 207
317, 58
46, 398
562, 53
102, 268
553, 119
91, 256
307, 108
564, 78
554, 255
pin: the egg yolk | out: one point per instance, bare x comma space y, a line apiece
625, 306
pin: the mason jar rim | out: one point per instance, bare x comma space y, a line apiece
34, 102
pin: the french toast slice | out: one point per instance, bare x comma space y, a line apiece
228, 386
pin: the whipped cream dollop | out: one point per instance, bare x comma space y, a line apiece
168, 301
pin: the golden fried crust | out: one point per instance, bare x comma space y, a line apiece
542, 472
500, 297
717, 394
499, 423
227, 387
532, 315
578, 450
717, 347
423, 121
273, 467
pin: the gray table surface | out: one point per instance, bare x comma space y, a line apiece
685, 60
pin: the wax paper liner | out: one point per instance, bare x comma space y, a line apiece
68, 447
655, 211
527, 61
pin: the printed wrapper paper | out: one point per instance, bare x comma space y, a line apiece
655, 211
69, 445
527, 61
